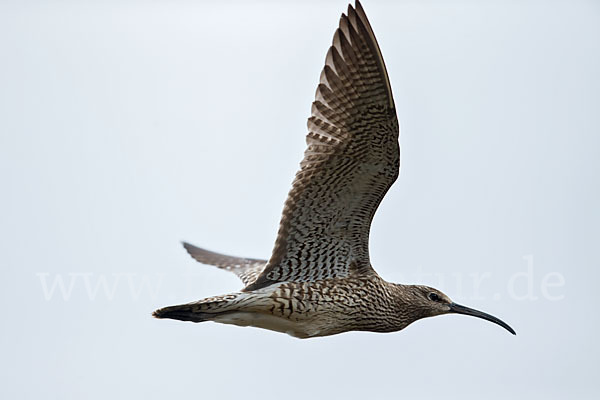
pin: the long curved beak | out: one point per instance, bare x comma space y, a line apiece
458, 309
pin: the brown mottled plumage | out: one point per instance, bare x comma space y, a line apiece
319, 280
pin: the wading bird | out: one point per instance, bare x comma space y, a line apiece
319, 280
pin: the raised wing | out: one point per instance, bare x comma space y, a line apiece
352, 159
247, 269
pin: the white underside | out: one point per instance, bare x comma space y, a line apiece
265, 321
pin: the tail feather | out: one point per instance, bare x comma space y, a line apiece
184, 312
203, 310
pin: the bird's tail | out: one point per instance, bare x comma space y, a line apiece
183, 312
203, 310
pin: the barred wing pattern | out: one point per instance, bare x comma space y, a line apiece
352, 159
247, 269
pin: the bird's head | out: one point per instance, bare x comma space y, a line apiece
431, 302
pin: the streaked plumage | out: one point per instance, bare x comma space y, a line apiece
319, 280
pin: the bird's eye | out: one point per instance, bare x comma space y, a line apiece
434, 297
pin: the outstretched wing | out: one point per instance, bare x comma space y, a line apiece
352, 159
247, 269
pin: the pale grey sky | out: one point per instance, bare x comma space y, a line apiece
128, 126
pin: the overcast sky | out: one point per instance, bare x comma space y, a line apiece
128, 126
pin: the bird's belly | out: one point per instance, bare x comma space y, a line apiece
299, 329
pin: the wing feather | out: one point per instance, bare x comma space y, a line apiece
247, 269
352, 159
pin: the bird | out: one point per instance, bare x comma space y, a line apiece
319, 280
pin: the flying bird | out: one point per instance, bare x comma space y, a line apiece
319, 280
